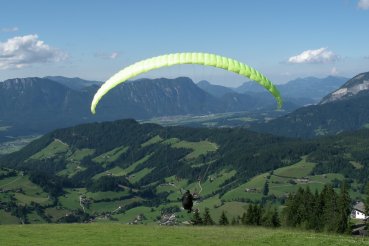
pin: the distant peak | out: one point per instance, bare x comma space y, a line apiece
203, 82
351, 88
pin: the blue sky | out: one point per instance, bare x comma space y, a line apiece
94, 39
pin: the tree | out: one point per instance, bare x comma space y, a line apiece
276, 222
196, 220
330, 209
258, 212
207, 220
249, 220
266, 188
235, 221
244, 219
270, 217
367, 200
344, 204
316, 223
223, 219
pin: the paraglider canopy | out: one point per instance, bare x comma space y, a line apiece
185, 58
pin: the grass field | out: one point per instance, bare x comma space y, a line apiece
31, 192
118, 234
7, 218
132, 167
54, 148
110, 156
198, 148
151, 141
79, 154
140, 174
280, 182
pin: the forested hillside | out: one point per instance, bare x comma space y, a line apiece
124, 168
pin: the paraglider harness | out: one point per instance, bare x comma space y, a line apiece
187, 201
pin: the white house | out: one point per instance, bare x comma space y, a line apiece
358, 211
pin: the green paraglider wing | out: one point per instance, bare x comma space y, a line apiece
185, 58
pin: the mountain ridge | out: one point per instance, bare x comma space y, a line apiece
327, 118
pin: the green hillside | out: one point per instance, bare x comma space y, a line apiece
89, 172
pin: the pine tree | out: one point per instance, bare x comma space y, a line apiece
207, 220
344, 203
266, 188
196, 220
366, 202
270, 217
276, 222
223, 219
308, 205
266, 218
257, 214
250, 215
234, 221
288, 211
316, 216
300, 203
330, 210
244, 219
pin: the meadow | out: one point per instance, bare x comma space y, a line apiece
120, 234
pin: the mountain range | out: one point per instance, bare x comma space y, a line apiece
309, 88
38, 105
345, 109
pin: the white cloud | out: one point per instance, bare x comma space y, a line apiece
9, 29
363, 4
112, 55
321, 55
334, 71
23, 51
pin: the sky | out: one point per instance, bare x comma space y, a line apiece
92, 40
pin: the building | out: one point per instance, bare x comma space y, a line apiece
358, 211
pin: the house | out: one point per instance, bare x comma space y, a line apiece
302, 180
250, 190
358, 211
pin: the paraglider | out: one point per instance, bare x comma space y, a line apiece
187, 201
205, 59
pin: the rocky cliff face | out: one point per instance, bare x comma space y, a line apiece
351, 88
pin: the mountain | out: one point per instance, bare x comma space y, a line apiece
118, 170
250, 100
215, 90
310, 89
345, 109
354, 86
146, 98
37, 105
249, 86
73, 83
